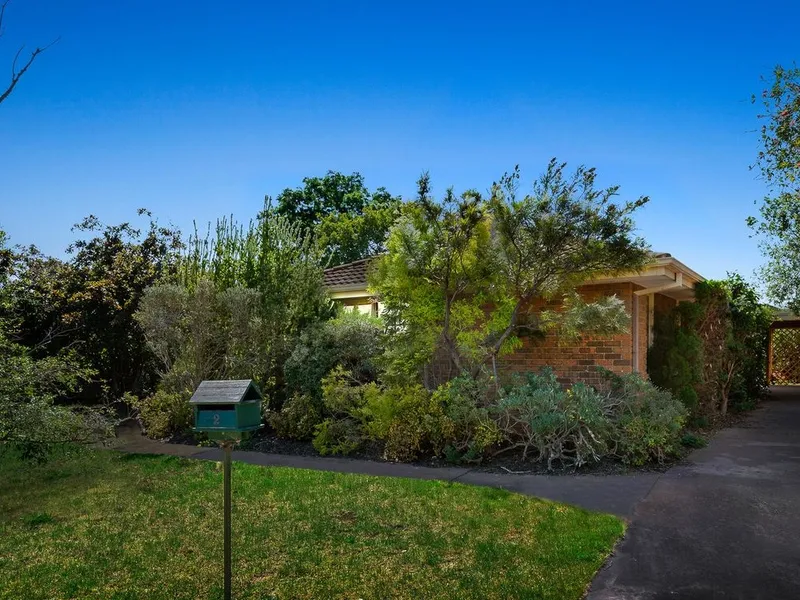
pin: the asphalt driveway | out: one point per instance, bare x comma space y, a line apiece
726, 525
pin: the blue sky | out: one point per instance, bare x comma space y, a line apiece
196, 109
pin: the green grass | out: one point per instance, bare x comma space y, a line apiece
99, 524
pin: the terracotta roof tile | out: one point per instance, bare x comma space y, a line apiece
354, 273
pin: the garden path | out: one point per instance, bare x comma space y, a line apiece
726, 524
615, 494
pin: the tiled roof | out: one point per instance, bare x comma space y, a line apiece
354, 273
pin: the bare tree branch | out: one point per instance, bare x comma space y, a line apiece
16, 74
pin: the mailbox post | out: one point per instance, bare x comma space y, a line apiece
228, 411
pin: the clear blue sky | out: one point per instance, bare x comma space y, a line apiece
198, 109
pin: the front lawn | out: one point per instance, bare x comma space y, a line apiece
105, 525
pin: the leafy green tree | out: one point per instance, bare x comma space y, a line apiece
87, 302
566, 232
30, 416
34, 299
110, 273
746, 356
347, 220
712, 353
434, 280
461, 276
779, 163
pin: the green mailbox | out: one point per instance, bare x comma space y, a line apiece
227, 410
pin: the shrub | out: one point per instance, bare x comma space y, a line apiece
342, 395
297, 419
351, 341
675, 360
31, 418
409, 419
647, 420
693, 440
569, 426
712, 353
163, 413
471, 428
337, 436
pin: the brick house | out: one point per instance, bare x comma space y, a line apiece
656, 289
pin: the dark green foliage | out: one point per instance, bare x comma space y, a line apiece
351, 341
713, 352
297, 419
347, 220
750, 321
675, 360
337, 436
31, 418
87, 302
693, 440
36, 382
471, 431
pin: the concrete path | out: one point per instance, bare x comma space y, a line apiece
725, 526
615, 494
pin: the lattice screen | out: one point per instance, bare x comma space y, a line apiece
786, 356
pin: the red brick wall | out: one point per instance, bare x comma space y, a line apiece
577, 360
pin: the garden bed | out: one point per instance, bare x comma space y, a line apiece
508, 462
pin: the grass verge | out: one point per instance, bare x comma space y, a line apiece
105, 525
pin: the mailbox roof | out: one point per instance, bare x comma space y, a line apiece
225, 392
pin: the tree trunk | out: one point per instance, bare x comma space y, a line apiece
512, 325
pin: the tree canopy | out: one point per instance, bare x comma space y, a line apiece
460, 275
778, 223
345, 218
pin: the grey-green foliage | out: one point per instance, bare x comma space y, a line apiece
279, 260
352, 341
604, 317
629, 418
647, 420
200, 333
272, 255
569, 426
